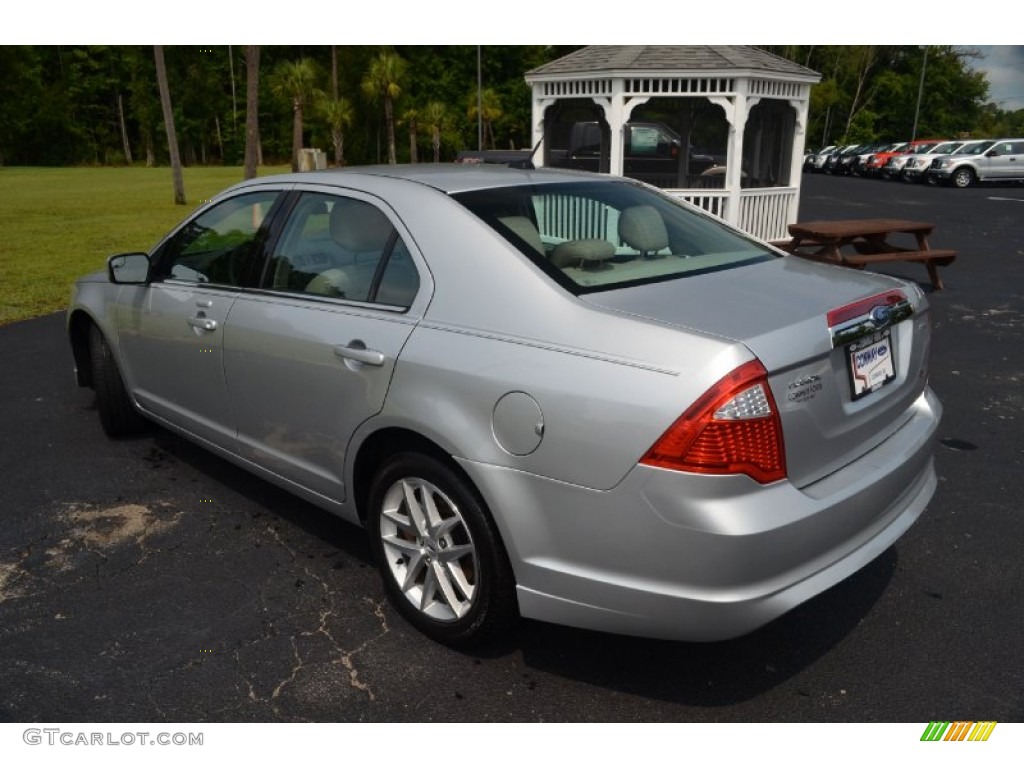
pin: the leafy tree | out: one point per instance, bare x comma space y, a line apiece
92, 86
21, 94
489, 110
953, 93
410, 119
338, 114
383, 81
296, 82
143, 101
433, 119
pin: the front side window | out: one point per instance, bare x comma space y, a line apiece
343, 248
975, 149
594, 236
220, 245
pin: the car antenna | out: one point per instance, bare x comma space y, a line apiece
527, 164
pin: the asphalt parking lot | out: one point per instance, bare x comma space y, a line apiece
148, 581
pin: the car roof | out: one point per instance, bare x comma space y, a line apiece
446, 177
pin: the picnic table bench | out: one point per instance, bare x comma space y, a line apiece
825, 240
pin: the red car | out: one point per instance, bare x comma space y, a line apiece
874, 164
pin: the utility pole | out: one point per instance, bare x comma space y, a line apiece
479, 103
234, 103
920, 90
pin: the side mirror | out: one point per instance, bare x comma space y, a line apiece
128, 268
992, 153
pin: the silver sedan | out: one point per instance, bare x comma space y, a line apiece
545, 394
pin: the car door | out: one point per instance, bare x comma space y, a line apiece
1005, 160
171, 331
309, 356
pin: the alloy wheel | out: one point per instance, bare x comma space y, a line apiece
428, 549
963, 178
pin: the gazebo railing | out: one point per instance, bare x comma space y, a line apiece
714, 201
765, 212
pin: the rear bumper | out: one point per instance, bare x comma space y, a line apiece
679, 556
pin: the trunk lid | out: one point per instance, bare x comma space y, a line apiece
804, 321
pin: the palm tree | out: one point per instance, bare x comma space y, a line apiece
411, 119
382, 81
172, 140
338, 114
433, 117
252, 95
490, 110
296, 82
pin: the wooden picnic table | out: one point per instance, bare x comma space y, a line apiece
869, 238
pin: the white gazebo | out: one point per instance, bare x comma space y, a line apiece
760, 138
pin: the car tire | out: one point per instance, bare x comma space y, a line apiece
440, 556
118, 416
962, 178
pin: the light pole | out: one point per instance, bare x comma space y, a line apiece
920, 90
479, 104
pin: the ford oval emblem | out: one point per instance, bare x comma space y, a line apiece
881, 315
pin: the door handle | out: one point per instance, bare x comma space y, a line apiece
205, 323
358, 352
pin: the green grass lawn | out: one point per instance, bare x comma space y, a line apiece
59, 223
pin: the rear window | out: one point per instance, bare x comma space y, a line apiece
596, 236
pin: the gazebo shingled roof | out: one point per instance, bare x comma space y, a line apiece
670, 58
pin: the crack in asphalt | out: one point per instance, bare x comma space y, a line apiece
346, 658
87, 534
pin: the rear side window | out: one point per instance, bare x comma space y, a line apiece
340, 247
594, 236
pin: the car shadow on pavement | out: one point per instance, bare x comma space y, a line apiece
697, 674
265, 496
711, 674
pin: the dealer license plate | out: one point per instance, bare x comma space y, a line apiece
872, 363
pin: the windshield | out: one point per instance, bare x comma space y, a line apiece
596, 236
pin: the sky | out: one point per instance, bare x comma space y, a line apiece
1004, 66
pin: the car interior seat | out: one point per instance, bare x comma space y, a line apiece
641, 227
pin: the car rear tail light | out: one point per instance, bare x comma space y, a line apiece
733, 428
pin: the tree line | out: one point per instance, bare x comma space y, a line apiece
68, 105
100, 105
896, 92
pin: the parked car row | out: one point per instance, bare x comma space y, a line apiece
958, 163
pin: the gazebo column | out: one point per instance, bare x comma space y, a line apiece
537, 113
796, 165
735, 108
612, 109
623, 111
